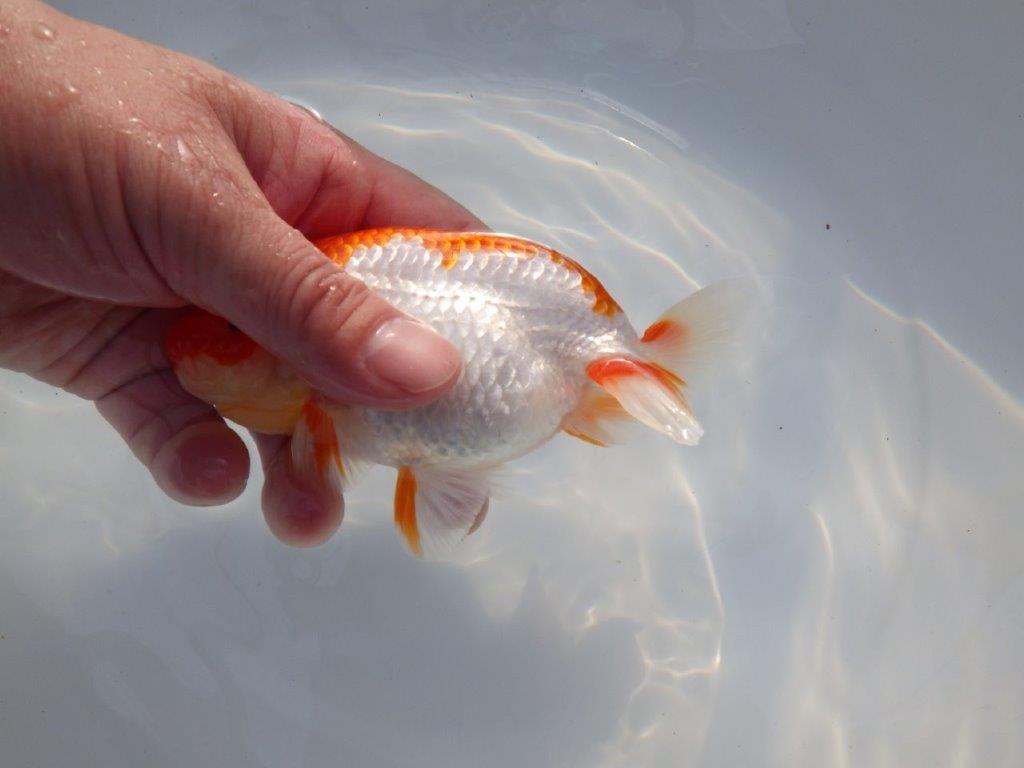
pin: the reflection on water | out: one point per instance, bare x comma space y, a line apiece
905, 645
829, 571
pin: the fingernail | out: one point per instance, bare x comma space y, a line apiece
411, 356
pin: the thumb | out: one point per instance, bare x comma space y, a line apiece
348, 342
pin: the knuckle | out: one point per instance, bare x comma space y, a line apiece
318, 292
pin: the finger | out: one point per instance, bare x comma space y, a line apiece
298, 513
248, 265
347, 341
324, 183
193, 456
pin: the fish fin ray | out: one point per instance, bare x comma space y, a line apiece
435, 509
696, 335
598, 419
650, 394
316, 452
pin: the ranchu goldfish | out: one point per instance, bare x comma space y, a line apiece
545, 349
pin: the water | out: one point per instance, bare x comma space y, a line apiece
831, 578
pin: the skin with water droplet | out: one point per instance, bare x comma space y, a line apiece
44, 32
183, 151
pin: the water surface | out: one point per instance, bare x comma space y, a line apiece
832, 572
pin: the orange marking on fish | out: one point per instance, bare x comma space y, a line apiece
666, 330
405, 509
325, 441
602, 370
200, 333
583, 437
451, 244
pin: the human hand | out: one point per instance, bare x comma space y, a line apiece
135, 181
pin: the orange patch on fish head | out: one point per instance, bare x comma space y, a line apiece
201, 333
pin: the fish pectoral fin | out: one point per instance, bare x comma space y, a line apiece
598, 419
436, 509
316, 450
650, 394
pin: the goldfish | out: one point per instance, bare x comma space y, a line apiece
545, 348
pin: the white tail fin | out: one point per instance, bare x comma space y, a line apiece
650, 394
695, 334
680, 346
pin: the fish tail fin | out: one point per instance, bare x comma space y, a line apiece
695, 334
649, 393
597, 419
683, 344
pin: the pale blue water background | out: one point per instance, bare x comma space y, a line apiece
831, 579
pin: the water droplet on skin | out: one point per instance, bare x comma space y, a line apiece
4, 31
120, 103
183, 151
71, 89
305, 108
97, 70
44, 32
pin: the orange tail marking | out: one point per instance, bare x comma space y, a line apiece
405, 509
325, 441
666, 332
200, 333
601, 371
340, 248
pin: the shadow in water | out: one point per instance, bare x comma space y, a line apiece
353, 655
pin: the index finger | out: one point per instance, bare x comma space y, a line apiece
324, 182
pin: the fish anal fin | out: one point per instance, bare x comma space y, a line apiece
649, 393
597, 419
435, 509
405, 510
316, 453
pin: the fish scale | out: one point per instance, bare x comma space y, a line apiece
518, 322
